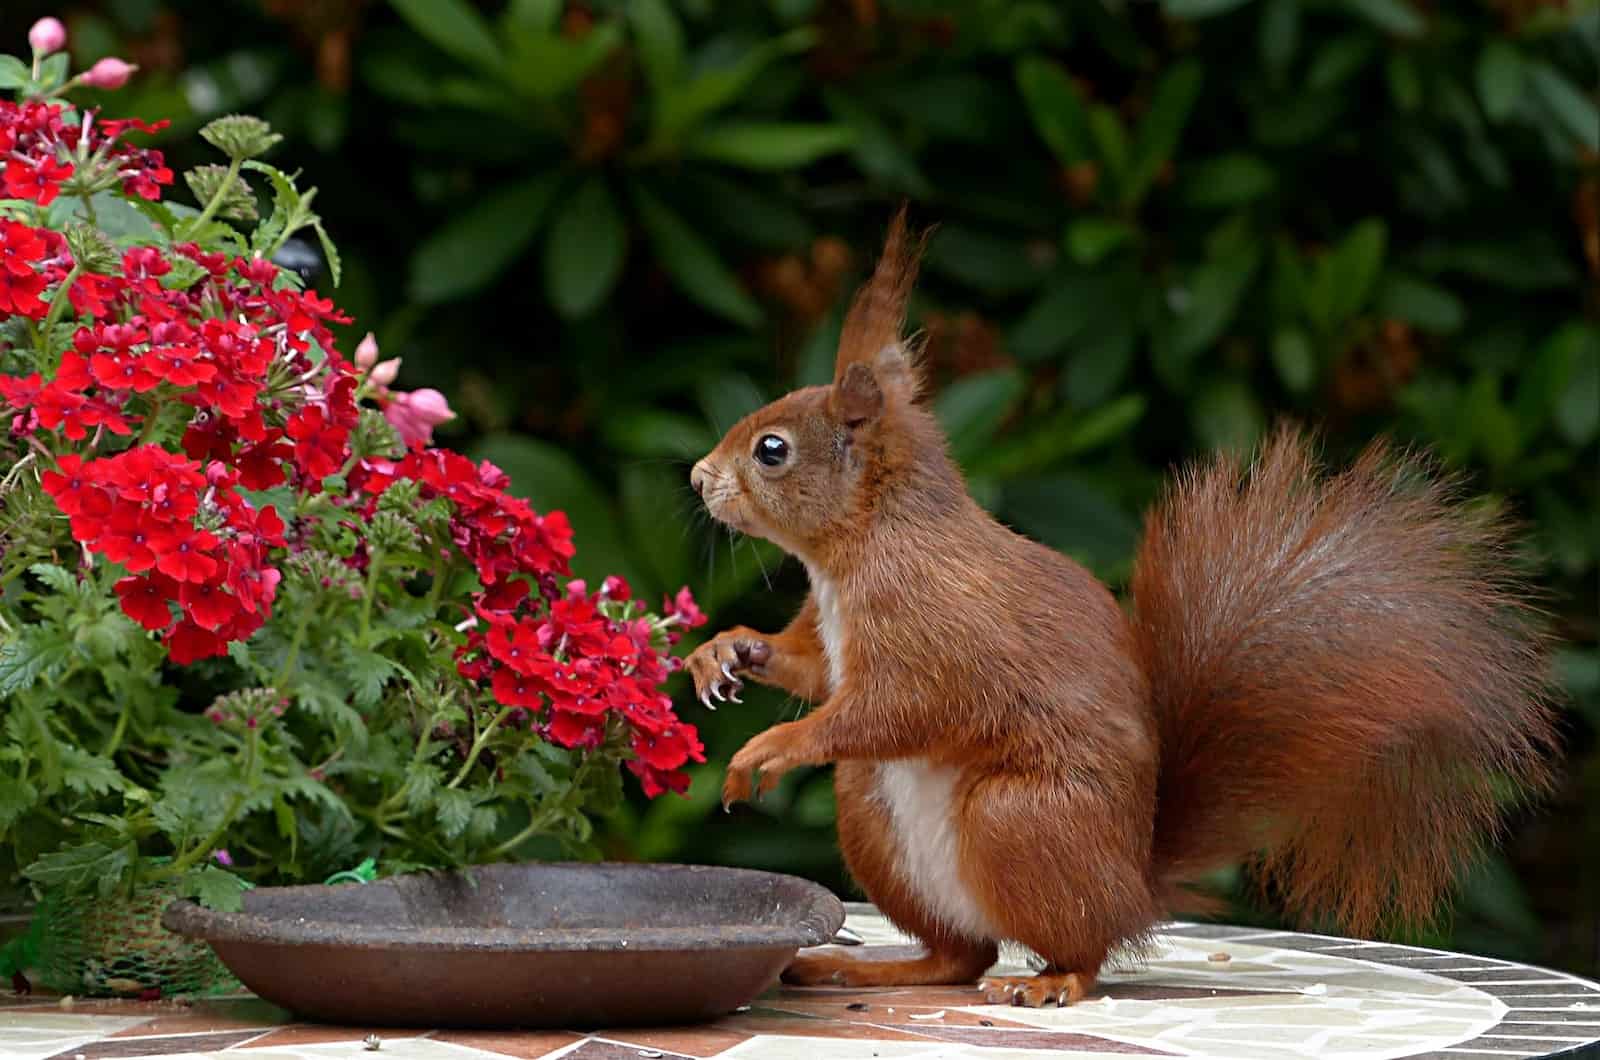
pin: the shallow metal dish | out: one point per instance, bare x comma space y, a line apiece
534, 945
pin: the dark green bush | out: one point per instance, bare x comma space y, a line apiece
1161, 225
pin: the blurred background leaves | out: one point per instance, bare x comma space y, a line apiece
609, 229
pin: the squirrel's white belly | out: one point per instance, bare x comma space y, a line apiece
918, 797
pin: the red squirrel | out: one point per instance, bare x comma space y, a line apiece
1325, 675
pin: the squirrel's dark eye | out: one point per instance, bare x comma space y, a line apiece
772, 450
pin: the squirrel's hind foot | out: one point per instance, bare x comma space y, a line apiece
1049, 987
935, 969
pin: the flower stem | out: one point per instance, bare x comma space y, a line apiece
374, 568
477, 747
58, 304
215, 204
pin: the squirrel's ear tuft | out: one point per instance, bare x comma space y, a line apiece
872, 330
857, 398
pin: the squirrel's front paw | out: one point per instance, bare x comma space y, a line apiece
717, 664
772, 754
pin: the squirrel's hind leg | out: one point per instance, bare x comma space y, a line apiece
1049, 987
865, 837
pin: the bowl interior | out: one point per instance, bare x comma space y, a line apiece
540, 906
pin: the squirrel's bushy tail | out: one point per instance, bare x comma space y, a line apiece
1348, 678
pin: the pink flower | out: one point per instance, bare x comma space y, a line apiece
109, 73
224, 858
384, 372
367, 352
416, 413
47, 36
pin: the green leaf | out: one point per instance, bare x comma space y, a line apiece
58, 578
453, 808
1056, 109
693, 264
1339, 60
1090, 239
29, 655
1227, 181
456, 29
1162, 127
654, 500
1200, 8
14, 73
89, 774
769, 145
584, 256
1280, 34
656, 433
1578, 412
1111, 140
1491, 425
1405, 81
1416, 301
1392, 16
994, 264
659, 37
544, 65
972, 408
1501, 79
366, 671
1067, 309
17, 797
1345, 276
1227, 416
1214, 292
214, 888
101, 865
471, 249
1105, 424
1575, 111
679, 110
1544, 384
1098, 363
1294, 360
728, 398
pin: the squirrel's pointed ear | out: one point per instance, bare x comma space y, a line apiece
872, 332
857, 398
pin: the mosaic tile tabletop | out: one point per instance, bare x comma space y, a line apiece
1202, 991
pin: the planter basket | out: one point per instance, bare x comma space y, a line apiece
116, 947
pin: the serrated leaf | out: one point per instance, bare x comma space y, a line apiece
453, 808
97, 865
214, 888
423, 780
586, 250
367, 672
17, 797
329, 252
58, 578
89, 774
693, 264
474, 247
30, 655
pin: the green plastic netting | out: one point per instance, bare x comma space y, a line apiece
116, 947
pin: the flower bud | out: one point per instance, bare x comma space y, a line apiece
367, 352
615, 588
108, 73
47, 36
384, 372
414, 415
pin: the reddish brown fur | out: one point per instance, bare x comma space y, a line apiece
1319, 672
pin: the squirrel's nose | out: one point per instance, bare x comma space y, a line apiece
697, 478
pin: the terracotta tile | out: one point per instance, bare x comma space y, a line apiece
318, 1034
594, 1049
241, 1015
108, 1048
523, 1045
700, 1042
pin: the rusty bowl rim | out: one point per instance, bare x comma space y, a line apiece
817, 916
